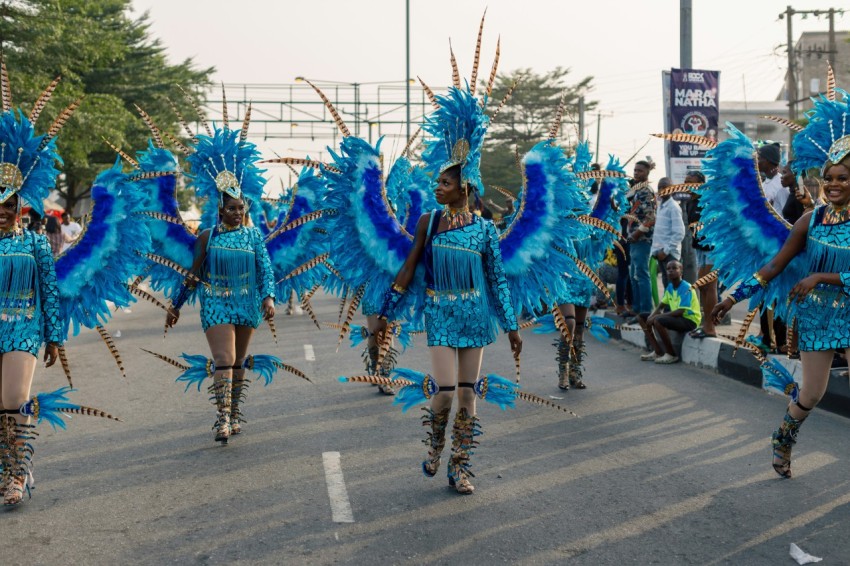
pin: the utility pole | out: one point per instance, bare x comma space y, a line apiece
581, 118
407, 64
791, 83
685, 34
833, 49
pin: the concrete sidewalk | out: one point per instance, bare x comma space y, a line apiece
720, 355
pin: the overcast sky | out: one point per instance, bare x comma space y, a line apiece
624, 44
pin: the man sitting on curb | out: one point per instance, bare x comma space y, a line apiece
678, 311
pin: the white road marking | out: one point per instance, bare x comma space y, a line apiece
338, 495
309, 354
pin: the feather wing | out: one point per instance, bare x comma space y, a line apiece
94, 270
535, 271
740, 223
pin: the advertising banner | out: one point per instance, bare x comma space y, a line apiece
691, 107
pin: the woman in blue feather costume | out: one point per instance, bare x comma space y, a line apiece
231, 264
467, 291
818, 296
29, 295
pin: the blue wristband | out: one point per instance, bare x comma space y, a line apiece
392, 298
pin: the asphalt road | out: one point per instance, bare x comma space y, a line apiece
665, 465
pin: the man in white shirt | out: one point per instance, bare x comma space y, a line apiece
768, 164
70, 230
669, 231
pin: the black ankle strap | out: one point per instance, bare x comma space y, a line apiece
569, 316
802, 407
466, 384
447, 389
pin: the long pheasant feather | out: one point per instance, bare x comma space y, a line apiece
201, 117
308, 306
307, 265
342, 302
495, 67
89, 412
602, 174
375, 380
66, 367
561, 324
352, 310
121, 152
292, 370
182, 121
146, 296
5, 87
224, 117
455, 72
590, 274
504, 192
162, 216
172, 361
157, 138
43, 99
110, 343
164, 261
272, 328
406, 151
785, 122
329, 266
556, 123
741, 339
680, 188
477, 58
706, 279
302, 163
57, 124
504, 100
688, 138
300, 221
537, 400
830, 83
243, 135
597, 223
144, 175
337, 119
183, 148
430, 94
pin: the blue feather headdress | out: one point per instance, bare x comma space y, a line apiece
457, 128
225, 164
826, 138
27, 161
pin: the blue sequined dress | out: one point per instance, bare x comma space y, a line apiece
29, 302
579, 289
240, 277
467, 292
823, 317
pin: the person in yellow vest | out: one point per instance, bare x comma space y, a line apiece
678, 311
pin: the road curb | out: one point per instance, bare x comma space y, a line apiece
721, 356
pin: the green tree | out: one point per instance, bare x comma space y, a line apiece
108, 59
526, 120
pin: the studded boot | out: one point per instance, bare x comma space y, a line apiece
783, 440
20, 466
576, 371
436, 439
562, 357
221, 397
238, 394
466, 428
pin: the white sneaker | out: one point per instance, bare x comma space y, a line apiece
667, 359
297, 311
648, 357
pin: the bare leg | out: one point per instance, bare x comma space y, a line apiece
240, 384
444, 371
469, 368
816, 366
708, 299
664, 336
222, 341
650, 334
16, 373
